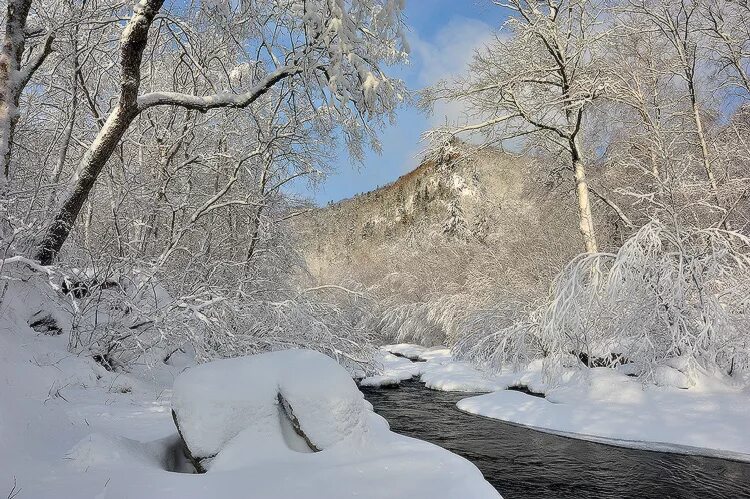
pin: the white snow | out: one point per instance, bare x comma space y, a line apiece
604, 405
436, 354
407, 350
380, 380
668, 376
394, 370
114, 452
456, 376
71, 429
437, 369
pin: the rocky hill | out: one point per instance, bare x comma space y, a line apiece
454, 206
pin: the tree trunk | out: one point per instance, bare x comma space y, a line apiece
701, 134
256, 218
132, 45
689, 62
254, 237
91, 165
10, 64
585, 219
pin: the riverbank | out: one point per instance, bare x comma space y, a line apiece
69, 427
709, 417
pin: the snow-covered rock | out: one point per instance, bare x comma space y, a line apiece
214, 402
681, 363
393, 370
295, 419
436, 354
408, 350
380, 380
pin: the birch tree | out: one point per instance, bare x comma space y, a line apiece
15, 72
535, 82
648, 148
679, 23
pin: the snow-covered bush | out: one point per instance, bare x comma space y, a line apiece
122, 312
668, 292
459, 301
115, 312
408, 323
494, 343
329, 320
671, 300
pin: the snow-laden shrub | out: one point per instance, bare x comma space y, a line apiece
493, 340
401, 310
464, 316
668, 292
437, 318
102, 315
122, 313
329, 320
115, 311
408, 323
671, 297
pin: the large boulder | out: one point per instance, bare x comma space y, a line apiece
277, 402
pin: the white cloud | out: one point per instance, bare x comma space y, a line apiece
448, 54
451, 50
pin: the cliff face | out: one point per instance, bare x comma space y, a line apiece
449, 209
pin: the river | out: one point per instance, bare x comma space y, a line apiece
524, 463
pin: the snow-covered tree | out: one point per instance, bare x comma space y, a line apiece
334, 53
16, 71
537, 80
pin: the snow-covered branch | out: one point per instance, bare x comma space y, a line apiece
206, 103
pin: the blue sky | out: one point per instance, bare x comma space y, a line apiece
442, 35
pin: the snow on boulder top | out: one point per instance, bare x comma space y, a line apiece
214, 402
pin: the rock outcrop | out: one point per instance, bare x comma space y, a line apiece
454, 206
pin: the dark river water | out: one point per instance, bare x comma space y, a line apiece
520, 462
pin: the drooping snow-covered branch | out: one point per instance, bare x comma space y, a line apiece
205, 103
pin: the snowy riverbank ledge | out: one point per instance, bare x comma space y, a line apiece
435, 367
604, 405
707, 416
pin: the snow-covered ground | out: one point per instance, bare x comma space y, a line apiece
435, 367
699, 413
69, 428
